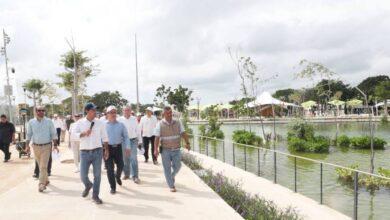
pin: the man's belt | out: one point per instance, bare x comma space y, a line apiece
41, 144
115, 145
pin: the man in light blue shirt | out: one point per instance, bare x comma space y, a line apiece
41, 133
118, 138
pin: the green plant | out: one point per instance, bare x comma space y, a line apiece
246, 137
343, 141
384, 120
370, 182
301, 138
346, 174
319, 144
364, 142
202, 130
248, 206
192, 162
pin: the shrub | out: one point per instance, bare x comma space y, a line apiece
370, 182
296, 144
216, 134
301, 138
343, 141
202, 130
192, 162
346, 174
384, 120
248, 206
246, 137
319, 144
365, 143
301, 129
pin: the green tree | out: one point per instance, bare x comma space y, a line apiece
35, 89
106, 98
369, 84
67, 103
283, 94
180, 97
382, 91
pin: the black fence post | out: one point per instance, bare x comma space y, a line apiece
234, 156
193, 142
295, 174
356, 195
258, 161
215, 150
321, 174
223, 150
245, 157
275, 174
207, 146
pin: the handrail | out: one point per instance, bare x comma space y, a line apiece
296, 156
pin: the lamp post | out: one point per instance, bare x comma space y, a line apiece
8, 87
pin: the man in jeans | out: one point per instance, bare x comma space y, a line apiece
147, 125
117, 139
41, 132
7, 135
92, 133
169, 132
131, 162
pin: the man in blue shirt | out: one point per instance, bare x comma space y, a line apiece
117, 138
41, 133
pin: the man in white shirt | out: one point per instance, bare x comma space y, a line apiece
131, 163
92, 133
147, 125
58, 125
75, 142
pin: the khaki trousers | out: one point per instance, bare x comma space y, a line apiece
42, 155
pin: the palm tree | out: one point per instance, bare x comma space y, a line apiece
35, 88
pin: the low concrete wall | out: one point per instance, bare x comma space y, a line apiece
281, 196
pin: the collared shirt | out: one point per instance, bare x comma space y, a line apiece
41, 131
131, 124
97, 136
148, 125
73, 136
7, 130
117, 133
58, 123
158, 127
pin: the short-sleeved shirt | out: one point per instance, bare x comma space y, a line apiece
7, 129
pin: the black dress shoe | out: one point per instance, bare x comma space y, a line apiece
113, 191
155, 162
86, 190
119, 181
97, 200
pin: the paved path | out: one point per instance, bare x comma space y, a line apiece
20, 199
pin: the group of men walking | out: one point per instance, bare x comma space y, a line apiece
114, 141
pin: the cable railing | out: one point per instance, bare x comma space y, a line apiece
252, 162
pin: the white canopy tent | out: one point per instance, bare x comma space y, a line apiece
265, 98
382, 103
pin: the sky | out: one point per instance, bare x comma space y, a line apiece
186, 42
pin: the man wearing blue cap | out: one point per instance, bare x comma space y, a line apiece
92, 133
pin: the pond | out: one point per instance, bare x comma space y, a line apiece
337, 195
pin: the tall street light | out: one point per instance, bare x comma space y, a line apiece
8, 87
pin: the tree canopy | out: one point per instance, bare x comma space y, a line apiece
106, 98
180, 97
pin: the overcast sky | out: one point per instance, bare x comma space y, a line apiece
185, 42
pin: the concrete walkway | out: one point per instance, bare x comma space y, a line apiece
20, 199
281, 196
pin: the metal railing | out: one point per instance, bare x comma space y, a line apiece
275, 168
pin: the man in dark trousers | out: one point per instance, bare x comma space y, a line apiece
7, 135
118, 138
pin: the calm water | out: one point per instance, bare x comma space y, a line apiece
335, 194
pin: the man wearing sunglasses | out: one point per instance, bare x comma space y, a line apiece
42, 134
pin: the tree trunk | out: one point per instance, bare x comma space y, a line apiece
385, 107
